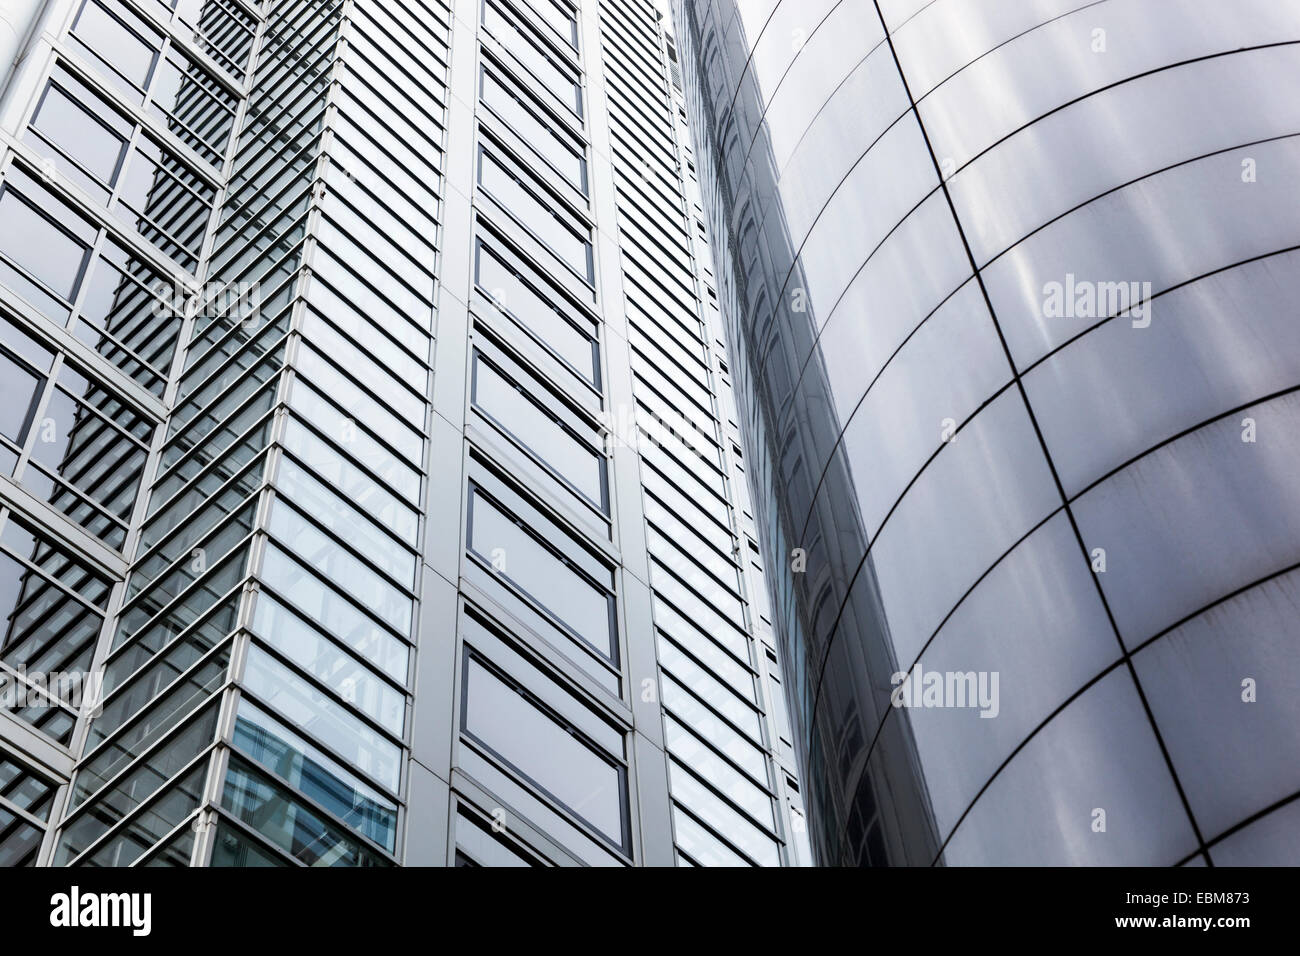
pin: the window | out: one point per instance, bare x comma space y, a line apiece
543, 748
356, 485
125, 305
126, 313
127, 54
544, 61
521, 196
339, 516
88, 455
334, 614
526, 118
760, 845
561, 441
338, 670
328, 721
477, 845
24, 365
517, 289
81, 126
572, 585
559, 16
150, 70
40, 260
291, 825
314, 773
25, 800
378, 594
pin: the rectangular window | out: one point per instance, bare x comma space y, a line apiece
24, 367
334, 613
269, 808
128, 53
356, 485
364, 408
519, 291
300, 486
527, 557
725, 819
40, 260
532, 423
127, 314
522, 197
544, 61
317, 549
544, 749
478, 845
692, 752
147, 67
523, 116
559, 16
82, 126
88, 455
330, 420
329, 722
344, 674
313, 772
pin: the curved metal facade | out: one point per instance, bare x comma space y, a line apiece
1015, 289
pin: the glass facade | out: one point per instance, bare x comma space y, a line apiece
1008, 288
371, 490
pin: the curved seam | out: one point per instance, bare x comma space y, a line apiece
1133, 182
1025, 372
943, 183
1136, 647
762, 117
1130, 651
749, 152
821, 671
1120, 82
1114, 189
1044, 450
1012, 39
745, 71
862, 779
1127, 656
1254, 818
1238, 592
1235, 410
798, 252
839, 438
1285, 250
803, 368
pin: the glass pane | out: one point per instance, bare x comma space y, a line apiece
521, 415
334, 613
559, 151
537, 214
543, 750
308, 769
518, 556
535, 313
302, 833
328, 663
317, 549
321, 717
35, 244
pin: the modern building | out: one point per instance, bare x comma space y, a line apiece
372, 489
1010, 289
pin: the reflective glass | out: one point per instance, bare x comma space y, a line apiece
544, 750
